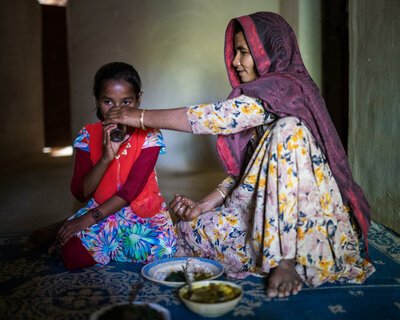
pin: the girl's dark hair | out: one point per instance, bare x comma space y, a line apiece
115, 71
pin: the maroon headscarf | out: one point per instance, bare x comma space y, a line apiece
287, 90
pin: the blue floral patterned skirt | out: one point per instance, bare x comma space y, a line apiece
126, 237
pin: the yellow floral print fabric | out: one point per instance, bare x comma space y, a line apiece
227, 117
286, 205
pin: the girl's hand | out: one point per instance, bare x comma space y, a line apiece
71, 227
124, 115
185, 208
110, 148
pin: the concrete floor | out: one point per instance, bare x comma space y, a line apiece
36, 192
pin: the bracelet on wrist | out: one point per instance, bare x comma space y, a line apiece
222, 193
141, 120
97, 215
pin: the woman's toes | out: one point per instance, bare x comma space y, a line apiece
284, 280
272, 291
283, 290
298, 287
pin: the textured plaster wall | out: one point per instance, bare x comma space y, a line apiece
304, 16
21, 129
176, 46
309, 37
374, 133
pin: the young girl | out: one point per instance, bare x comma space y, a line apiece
126, 218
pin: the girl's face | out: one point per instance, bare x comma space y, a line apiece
243, 61
117, 93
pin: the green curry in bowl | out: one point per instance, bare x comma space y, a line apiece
213, 293
211, 298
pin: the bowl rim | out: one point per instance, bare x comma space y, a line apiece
206, 282
164, 311
178, 261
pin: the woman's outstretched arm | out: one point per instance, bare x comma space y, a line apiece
171, 119
223, 118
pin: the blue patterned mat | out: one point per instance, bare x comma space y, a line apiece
35, 285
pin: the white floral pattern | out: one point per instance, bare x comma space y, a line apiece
286, 204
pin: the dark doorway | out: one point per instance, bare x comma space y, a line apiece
335, 63
56, 99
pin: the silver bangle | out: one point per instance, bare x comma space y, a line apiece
141, 120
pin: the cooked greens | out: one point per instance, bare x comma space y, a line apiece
213, 293
175, 276
179, 276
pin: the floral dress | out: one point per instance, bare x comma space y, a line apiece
124, 236
286, 204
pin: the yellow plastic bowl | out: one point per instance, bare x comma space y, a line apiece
210, 309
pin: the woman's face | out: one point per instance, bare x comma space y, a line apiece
117, 93
243, 61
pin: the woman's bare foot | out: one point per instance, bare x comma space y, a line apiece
284, 280
44, 235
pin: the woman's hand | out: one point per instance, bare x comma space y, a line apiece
185, 208
124, 115
71, 227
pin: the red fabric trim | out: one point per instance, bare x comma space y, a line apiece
75, 256
230, 164
230, 54
366, 248
257, 49
361, 219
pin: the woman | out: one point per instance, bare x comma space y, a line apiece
286, 207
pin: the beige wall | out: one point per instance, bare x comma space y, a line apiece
21, 111
176, 46
309, 37
374, 133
